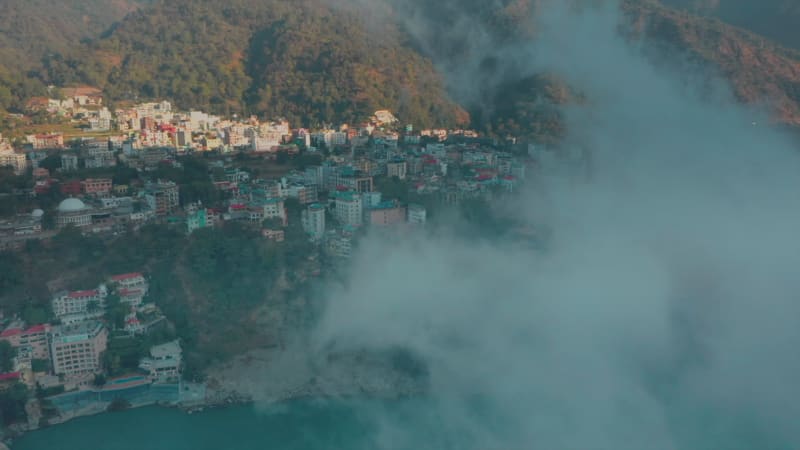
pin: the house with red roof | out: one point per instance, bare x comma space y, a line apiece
132, 280
33, 338
78, 302
9, 379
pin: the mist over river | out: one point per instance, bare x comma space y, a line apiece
352, 424
301, 425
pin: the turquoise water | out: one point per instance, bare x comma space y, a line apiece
127, 380
331, 425
301, 425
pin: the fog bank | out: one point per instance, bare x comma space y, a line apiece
664, 313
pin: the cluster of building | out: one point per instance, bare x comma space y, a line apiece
10, 158
70, 353
339, 196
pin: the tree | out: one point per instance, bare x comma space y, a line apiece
99, 380
12, 404
92, 306
116, 311
39, 365
7, 355
281, 158
51, 163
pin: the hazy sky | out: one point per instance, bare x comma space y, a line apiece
664, 315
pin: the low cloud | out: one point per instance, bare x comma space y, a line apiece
664, 312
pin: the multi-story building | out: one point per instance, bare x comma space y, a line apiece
16, 160
45, 141
351, 179
313, 176
130, 287
417, 214
133, 280
397, 169
304, 194
96, 186
387, 213
162, 197
371, 200
339, 245
348, 208
69, 162
336, 139
78, 302
101, 159
274, 209
164, 363
33, 338
313, 219
196, 218
76, 349
273, 235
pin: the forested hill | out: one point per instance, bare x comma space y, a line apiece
778, 20
300, 59
312, 63
758, 69
30, 29
33, 30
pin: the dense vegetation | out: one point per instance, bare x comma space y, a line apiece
774, 19
32, 30
314, 63
207, 284
302, 60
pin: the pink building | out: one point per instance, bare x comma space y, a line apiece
34, 337
96, 186
76, 349
383, 216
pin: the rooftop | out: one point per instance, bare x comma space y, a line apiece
10, 376
78, 331
126, 276
86, 293
170, 349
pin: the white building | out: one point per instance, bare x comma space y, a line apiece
349, 209
77, 302
164, 363
417, 214
273, 208
313, 219
69, 162
16, 160
396, 169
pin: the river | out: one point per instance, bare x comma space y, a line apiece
301, 425
341, 424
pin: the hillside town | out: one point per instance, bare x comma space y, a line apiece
138, 165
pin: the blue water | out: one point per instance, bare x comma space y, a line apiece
300, 425
330, 425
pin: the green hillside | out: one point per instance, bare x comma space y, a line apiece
301, 60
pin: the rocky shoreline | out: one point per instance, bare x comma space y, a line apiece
273, 376
270, 375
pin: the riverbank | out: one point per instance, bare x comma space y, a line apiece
309, 424
268, 376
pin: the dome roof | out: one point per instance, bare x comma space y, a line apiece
37, 213
71, 205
